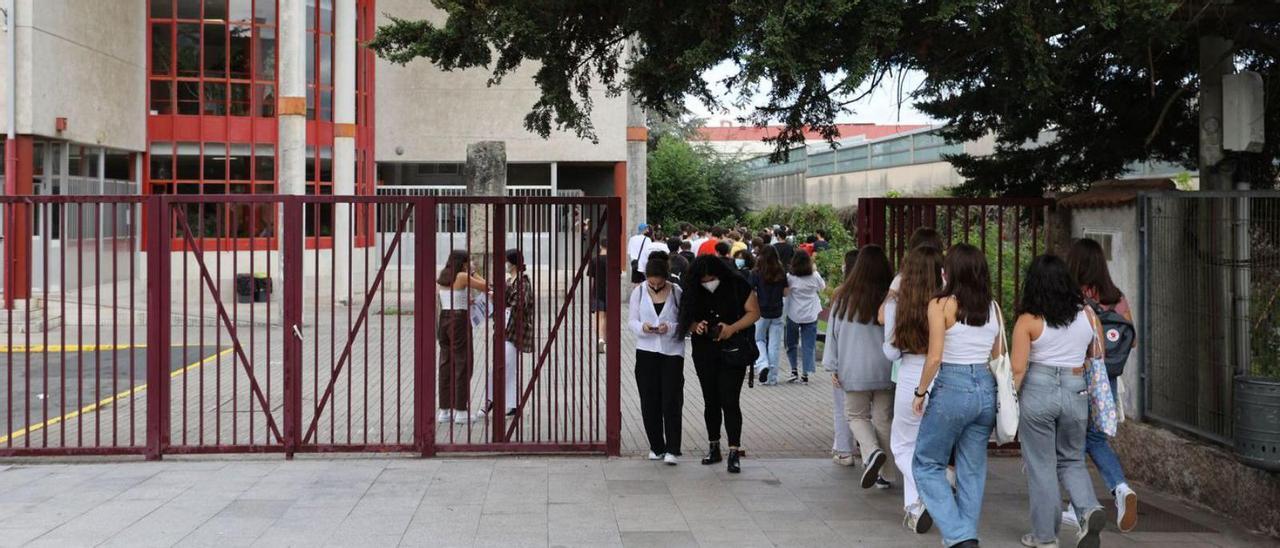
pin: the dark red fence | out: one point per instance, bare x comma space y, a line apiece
200, 324
1010, 231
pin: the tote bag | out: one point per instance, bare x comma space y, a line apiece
1102, 403
1006, 397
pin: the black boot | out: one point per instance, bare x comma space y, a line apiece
734, 467
713, 454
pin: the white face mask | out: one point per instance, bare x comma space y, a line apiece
711, 285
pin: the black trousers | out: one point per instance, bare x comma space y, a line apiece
721, 390
453, 334
660, 380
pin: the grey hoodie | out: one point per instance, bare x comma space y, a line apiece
854, 352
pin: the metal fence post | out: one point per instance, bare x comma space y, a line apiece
498, 378
613, 354
156, 211
425, 227
293, 227
1144, 302
871, 221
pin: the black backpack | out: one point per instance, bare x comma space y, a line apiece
1117, 335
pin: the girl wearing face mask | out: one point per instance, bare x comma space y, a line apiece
744, 263
719, 311
520, 328
652, 316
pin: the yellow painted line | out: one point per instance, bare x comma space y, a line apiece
42, 348
107, 401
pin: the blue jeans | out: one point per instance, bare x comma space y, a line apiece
1098, 446
769, 341
803, 335
959, 417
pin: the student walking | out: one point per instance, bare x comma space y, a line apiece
653, 316
961, 411
842, 442
803, 306
719, 310
520, 329
1088, 265
599, 274
905, 316
1051, 340
769, 280
858, 365
456, 284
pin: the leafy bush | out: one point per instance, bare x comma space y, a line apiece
691, 183
805, 220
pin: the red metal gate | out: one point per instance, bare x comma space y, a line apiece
1010, 231
260, 331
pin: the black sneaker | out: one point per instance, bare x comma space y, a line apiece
794, 378
764, 376
882, 483
804, 379
872, 470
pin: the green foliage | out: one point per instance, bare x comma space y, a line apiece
1183, 181
805, 220
690, 183
830, 264
1072, 91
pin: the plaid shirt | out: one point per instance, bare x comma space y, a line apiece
520, 328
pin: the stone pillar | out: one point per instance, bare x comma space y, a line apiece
485, 174
291, 110
1216, 60
344, 132
637, 210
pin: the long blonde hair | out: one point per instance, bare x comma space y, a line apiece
921, 280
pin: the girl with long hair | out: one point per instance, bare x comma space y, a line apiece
842, 441
1088, 265
964, 328
520, 329
858, 366
653, 315
1051, 340
456, 284
906, 338
769, 281
718, 312
804, 284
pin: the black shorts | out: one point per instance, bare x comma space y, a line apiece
598, 305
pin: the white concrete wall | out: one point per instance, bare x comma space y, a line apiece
432, 115
1122, 224
85, 61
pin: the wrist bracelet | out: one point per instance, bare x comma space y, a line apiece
919, 395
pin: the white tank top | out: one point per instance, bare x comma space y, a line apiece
966, 344
454, 299
1063, 346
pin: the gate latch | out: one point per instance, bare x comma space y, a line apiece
297, 332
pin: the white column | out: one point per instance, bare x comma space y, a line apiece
291, 109
344, 131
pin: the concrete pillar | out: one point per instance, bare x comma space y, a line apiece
485, 174
291, 110
1216, 61
344, 131
637, 210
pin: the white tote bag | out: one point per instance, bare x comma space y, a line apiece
1006, 396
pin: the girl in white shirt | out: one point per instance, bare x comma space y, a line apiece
654, 313
803, 306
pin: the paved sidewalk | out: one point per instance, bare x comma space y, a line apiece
384, 501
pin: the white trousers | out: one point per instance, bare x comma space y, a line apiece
843, 442
906, 425
511, 367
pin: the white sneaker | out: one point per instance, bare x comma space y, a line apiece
1069, 518
1126, 508
445, 415
917, 519
1029, 540
842, 459
462, 417
1091, 529
670, 459
654, 456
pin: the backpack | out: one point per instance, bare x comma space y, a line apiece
1118, 335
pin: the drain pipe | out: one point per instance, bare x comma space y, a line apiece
10, 144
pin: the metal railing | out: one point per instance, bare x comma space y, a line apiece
298, 341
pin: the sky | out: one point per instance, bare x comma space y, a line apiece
880, 107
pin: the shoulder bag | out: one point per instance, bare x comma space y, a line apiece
1102, 403
1006, 396
637, 274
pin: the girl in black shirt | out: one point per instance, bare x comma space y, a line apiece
719, 311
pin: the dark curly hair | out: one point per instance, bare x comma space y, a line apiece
1049, 292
